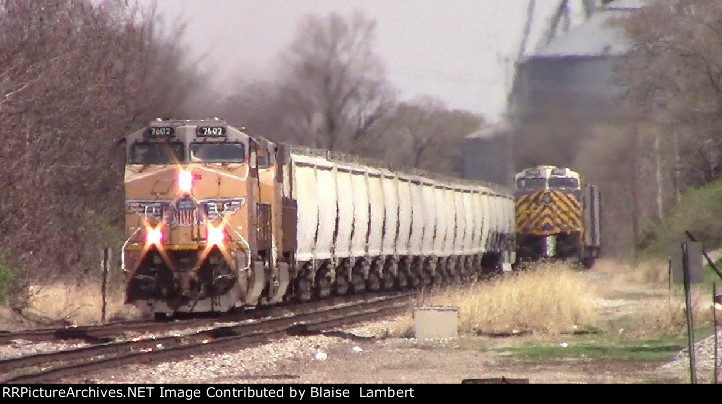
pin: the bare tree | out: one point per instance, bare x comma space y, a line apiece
425, 134
258, 107
74, 77
333, 94
333, 90
674, 76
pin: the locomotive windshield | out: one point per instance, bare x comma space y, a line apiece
156, 153
218, 152
531, 183
561, 182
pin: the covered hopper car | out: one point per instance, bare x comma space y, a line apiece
217, 219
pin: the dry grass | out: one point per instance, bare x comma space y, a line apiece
612, 267
650, 270
78, 304
639, 302
550, 298
668, 316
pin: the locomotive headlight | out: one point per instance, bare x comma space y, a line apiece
153, 235
215, 235
185, 181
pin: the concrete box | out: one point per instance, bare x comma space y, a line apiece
436, 322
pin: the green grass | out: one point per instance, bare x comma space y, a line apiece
7, 275
711, 276
656, 349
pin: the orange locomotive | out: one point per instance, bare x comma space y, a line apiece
217, 219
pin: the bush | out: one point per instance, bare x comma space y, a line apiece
7, 276
699, 211
76, 75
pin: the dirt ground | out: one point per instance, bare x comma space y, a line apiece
396, 361
367, 354
407, 360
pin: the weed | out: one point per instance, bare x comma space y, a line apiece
550, 298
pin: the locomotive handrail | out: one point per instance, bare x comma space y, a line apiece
122, 250
243, 240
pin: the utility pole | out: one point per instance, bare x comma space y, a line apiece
561, 14
510, 158
635, 191
658, 164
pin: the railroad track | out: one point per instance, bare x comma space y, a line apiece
105, 333
91, 334
308, 318
99, 334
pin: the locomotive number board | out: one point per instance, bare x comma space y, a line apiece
211, 131
160, 131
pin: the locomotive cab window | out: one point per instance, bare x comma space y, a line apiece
263, 158
156, 153
218, 152
561, 182
531, 183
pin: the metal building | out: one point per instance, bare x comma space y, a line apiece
487, 155
575, 72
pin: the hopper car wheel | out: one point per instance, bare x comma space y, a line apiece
451, 269
414, 281
373, 282
441, 275
323, 286
341, 285
304, 290
388, 280
357, 283
402, 280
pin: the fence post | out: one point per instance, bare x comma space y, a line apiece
690, 318
715, 300
104, 287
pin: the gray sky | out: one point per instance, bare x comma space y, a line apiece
460, 51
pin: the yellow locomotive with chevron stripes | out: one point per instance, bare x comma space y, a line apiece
556, 215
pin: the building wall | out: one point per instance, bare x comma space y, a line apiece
579, 85
489, 159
